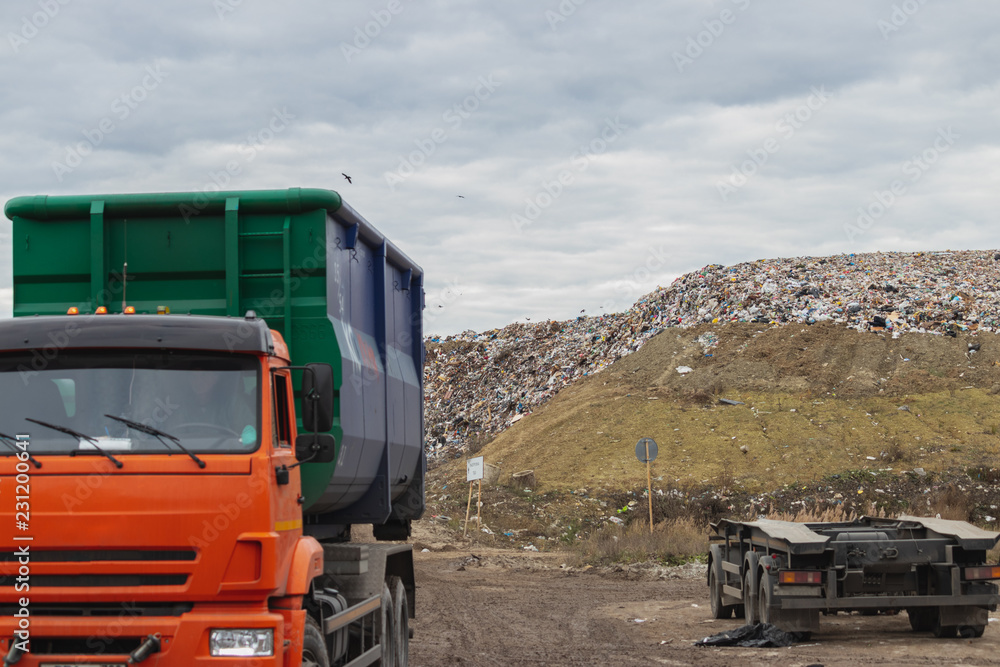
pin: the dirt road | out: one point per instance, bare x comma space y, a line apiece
491, 607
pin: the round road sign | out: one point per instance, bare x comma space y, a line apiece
640, 450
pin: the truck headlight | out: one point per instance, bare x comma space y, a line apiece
241, 642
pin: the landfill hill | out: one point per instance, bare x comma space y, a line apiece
835, 361
798, 403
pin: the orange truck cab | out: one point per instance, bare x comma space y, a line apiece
178, 481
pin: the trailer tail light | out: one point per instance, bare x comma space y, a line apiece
129, 310
101, 310
793, 577
990, 572
73, 310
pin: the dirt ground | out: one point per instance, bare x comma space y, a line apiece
505, 607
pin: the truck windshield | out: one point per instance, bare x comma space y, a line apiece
210, 403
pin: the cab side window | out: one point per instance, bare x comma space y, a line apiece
282, 417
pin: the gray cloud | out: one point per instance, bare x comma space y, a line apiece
371, 88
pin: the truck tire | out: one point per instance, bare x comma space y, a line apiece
921, 618
970, 631
764, 601
751, 613
313, 646
386, 633
400, 622
716, 577
941, 631
719, 610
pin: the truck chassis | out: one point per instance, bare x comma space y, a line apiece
787, 573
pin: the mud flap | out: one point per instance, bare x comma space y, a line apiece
964, 616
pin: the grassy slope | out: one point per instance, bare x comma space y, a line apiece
819, 400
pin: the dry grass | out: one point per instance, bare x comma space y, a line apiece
951, 503
674, 542
836, 514
813, 405
685, 539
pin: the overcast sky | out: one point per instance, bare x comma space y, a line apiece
600, 149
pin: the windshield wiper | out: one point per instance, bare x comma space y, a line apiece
78, 436
160, 435
11, 442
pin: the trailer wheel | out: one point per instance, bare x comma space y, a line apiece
764, 602
400, 622
941, 631
921, 618
313, 647
750, 611
969, 631
719, 610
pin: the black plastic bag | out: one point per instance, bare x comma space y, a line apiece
758, 635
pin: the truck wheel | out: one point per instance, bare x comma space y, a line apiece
750, 612
719, 610
386, 639
400, 622
313, 647
921, 619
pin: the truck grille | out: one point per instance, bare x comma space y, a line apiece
98, 580
91, 556
158, 568
103, 610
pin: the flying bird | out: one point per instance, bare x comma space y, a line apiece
346, 176
460, 196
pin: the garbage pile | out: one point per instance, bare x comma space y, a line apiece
478, 384
938, 292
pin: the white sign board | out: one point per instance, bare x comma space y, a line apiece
474, 469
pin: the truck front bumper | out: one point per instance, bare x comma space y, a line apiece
184, 639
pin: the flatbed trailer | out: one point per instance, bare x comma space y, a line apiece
787, 573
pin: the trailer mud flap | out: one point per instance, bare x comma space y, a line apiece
964, 616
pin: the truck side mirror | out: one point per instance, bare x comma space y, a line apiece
317, 398
315, 448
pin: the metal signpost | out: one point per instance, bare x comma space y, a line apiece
646, 451
474, 472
